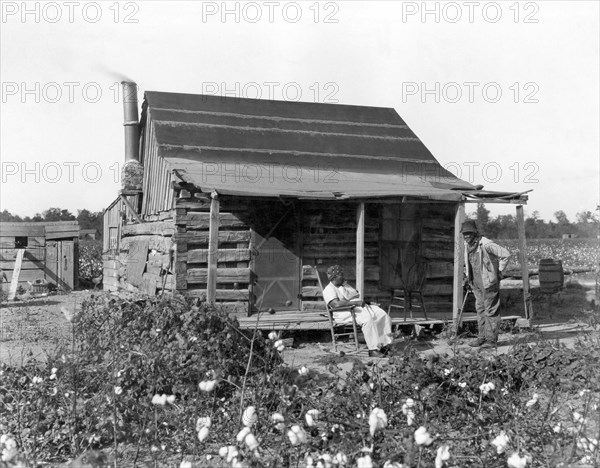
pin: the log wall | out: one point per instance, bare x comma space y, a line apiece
192, 220
418, 232
396, 236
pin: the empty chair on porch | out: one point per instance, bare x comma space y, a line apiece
412, 287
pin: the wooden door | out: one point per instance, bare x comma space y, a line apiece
67, 265
400, 243
60, 264
52, 275
276, 259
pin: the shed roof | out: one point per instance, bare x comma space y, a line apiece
307, 150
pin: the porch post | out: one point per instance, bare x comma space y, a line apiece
213, 249
360, 249
459, 263
523, 259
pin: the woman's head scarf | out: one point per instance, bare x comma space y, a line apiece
334, 271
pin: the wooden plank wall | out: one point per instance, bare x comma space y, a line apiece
437, 237
34, 260
111, 219
33, 266
233, 259
158, 195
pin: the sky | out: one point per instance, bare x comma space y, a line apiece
504, 94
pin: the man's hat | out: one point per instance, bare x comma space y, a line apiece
468, 226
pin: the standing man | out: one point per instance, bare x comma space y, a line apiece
484, 263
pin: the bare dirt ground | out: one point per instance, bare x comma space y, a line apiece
36, 327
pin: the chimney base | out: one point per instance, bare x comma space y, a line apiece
132, 175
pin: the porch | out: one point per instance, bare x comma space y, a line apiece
296, 320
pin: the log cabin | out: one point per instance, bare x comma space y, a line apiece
235, 201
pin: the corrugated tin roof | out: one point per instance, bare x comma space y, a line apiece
307, 150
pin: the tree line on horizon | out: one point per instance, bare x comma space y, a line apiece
586, 225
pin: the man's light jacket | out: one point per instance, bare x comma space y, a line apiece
493, 259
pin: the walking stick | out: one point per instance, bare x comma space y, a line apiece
460, 312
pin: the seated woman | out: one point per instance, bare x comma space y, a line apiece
376, 324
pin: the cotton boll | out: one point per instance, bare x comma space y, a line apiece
203, 421
422, 437
249, 417
203, 433
312, 416
242, 434
443, 454
515, 461
364, 462
500, 442
377, 420
251, 441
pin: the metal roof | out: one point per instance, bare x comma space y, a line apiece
259, 147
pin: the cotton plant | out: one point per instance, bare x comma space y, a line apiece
203, 424
311, 417
486, 388
500, 442
534, 399
8, 444
516, 461
422, 437
297, 436
207, 385
245, 436
364, 462
278, 343
160, 400
249, 416
442, 456
377, 420
407, 409
278, 421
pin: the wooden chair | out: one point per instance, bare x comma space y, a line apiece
338, 330
412, 286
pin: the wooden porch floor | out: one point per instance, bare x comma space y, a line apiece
317, 320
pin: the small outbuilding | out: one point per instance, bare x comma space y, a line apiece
235, 201
44, 251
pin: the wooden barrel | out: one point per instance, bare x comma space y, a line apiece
552, 276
